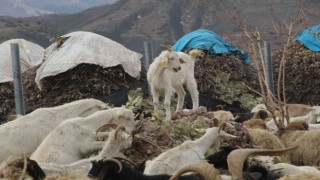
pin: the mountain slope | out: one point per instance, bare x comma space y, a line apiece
131, 22
26, 8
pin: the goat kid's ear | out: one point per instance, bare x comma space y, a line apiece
182, 61
164, 63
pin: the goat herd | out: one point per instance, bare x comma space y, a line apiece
68, 141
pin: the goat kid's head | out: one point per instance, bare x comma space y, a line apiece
119, 135
170, 59
104, 168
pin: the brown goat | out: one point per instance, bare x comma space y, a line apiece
255, 124
296, 133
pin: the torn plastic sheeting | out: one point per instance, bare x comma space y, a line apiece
90, 48
311, 38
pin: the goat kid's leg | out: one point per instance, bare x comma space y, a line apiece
192, 88
155, 96
181, 96
167, 104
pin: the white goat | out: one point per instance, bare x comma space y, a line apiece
173, 159
310, 118
75, 138
294, 110
282, 169
169, 72
117, 141
27, 132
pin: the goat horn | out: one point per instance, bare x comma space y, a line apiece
114, 126
117, 130
117, 162
237, 157
168, 47
206, 170
125, 159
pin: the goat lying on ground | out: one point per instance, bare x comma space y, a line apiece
237, 158
219, 159
112, 169
117, 141
294, 110
260, 114
173, 159
169, 72
310, 118
75, 138
304, 175
223, 116
309, 144
13, 168
281, 169
267, 140
27, 132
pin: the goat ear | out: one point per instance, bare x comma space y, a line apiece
182, 61
164, 63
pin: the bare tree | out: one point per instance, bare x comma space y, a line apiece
286, 27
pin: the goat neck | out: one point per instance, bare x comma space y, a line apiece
207, 139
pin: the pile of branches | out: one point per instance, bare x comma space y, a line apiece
83, 81
154, 135
207, 68
302, 74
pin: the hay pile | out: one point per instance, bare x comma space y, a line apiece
302, 74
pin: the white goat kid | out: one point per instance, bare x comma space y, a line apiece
118, 140
173, 159
169, 72
75, 139
27, 132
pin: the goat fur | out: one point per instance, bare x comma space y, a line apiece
282, 169
75, 139
112, 148
173, 159
307, 154
166, 73
27, 132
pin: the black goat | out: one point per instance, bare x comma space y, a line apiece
219, 159
113, 170
35, 170
242, 117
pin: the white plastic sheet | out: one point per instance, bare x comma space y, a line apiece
87, 47
30, 56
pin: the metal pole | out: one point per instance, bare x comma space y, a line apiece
17, 80
268, 65
147, 59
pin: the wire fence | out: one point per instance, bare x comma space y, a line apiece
112, 84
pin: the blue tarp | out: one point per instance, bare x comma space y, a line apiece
208, 40
311, 38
